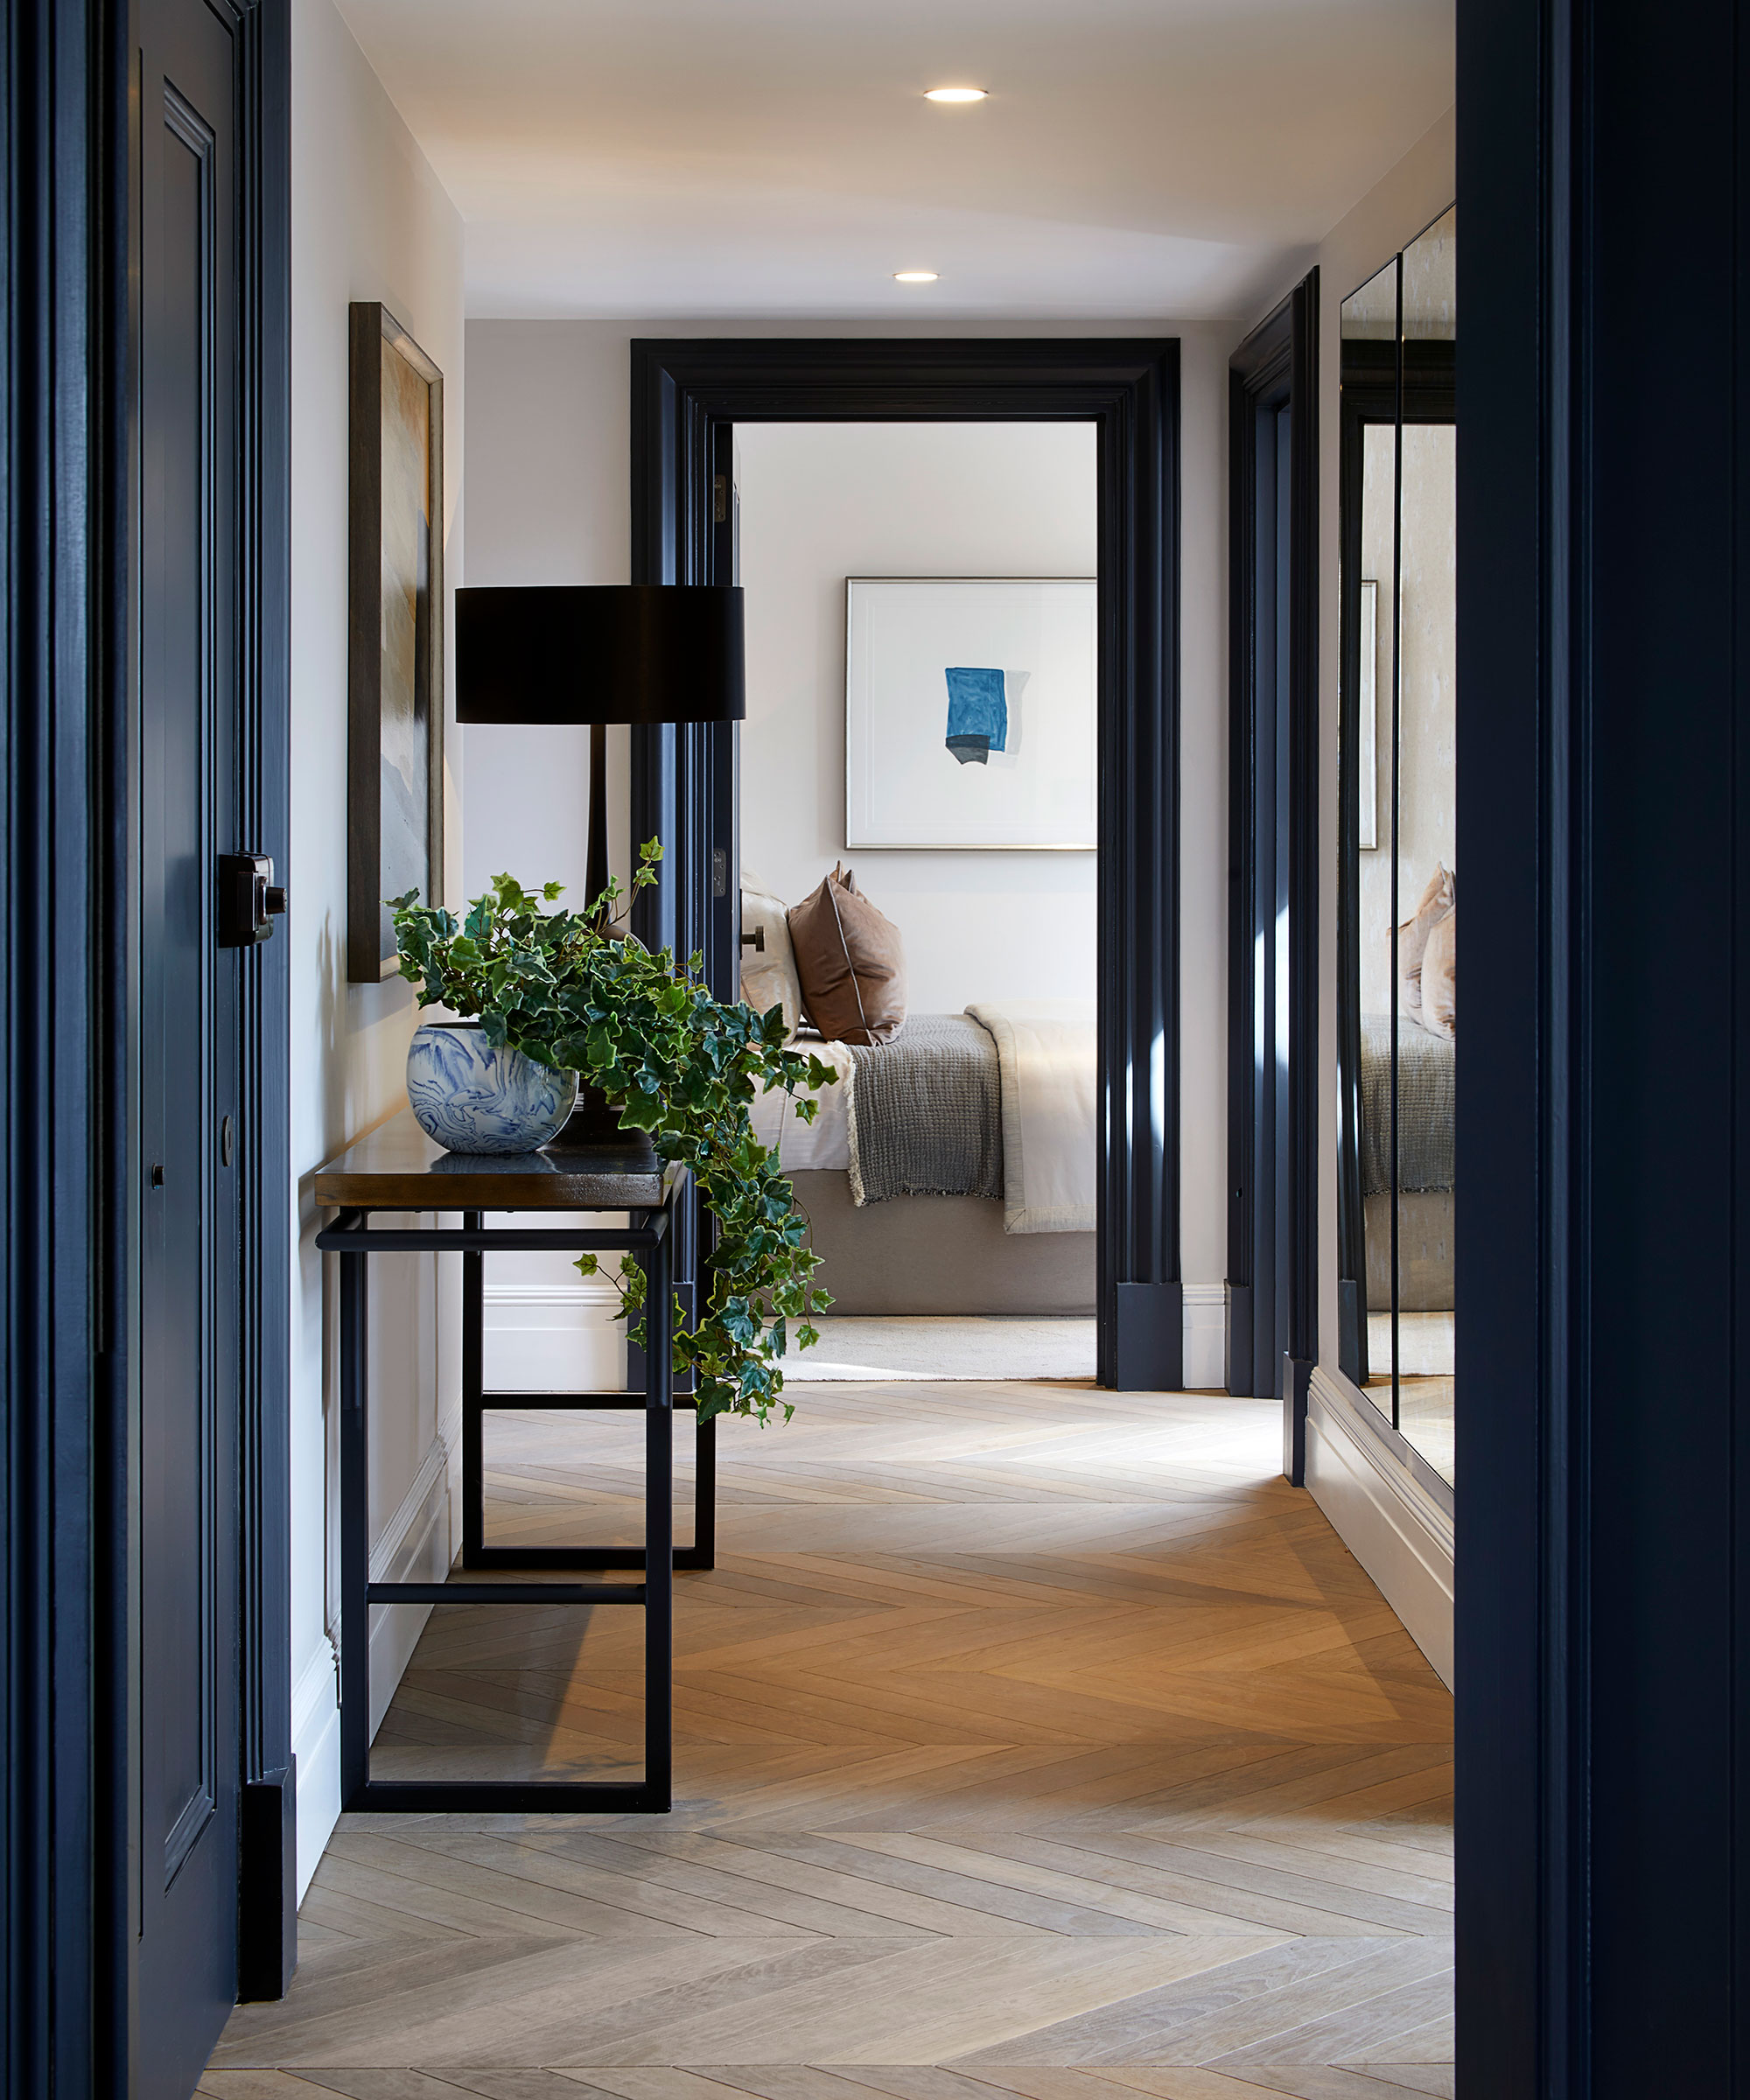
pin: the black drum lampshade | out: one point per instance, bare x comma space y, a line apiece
563, 655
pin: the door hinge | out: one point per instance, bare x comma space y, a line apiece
720, 500
719, 872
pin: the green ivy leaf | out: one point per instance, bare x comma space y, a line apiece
677, 1062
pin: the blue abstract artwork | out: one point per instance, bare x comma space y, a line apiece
978, 714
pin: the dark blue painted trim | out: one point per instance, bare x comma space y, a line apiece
61, 493
1273, 858
65, 1404
685, 393
268, 1891
1603, 1685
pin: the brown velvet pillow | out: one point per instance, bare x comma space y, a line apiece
850, 962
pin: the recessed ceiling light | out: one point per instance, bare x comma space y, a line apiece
914, 277
955, 94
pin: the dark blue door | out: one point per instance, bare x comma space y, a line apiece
187, 1067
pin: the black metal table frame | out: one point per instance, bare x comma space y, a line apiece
646, 1233
478, 1403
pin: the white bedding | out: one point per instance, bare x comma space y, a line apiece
1045, 1056
825, 1142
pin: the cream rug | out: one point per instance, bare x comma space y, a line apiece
852, 1350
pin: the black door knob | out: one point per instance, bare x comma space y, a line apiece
273, 901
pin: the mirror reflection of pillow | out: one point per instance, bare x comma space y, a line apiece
1439, 900
1439, 978
768, 973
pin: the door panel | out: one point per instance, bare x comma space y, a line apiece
187, 1069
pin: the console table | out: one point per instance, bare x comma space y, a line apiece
397, 1169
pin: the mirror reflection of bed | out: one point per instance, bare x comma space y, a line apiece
1401, 888
917, 839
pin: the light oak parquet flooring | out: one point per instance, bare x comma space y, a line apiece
1031, 1740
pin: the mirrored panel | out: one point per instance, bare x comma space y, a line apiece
1397, 1013
1424, 830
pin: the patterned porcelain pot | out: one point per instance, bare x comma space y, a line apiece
472, 1098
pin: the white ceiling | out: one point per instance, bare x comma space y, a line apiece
742, 157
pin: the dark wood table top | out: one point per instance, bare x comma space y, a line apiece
398, 1167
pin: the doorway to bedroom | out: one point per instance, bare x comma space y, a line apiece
690, 398
918, 825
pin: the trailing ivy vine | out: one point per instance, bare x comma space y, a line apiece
564, 990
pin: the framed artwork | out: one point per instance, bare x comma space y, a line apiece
1366, 718
394, 759
970, 713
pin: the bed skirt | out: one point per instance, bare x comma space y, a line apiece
935, 1255
1425, 1251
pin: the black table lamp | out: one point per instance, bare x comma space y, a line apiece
599, 652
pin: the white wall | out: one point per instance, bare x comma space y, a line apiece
369, 221
548, 476
823, 502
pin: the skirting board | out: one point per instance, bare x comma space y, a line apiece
1205, 1337
543, 1337
1388, 1518
417, 1545
553, 1338
316, 1745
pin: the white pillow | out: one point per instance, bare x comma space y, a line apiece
768, 972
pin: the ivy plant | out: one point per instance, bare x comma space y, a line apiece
570, 990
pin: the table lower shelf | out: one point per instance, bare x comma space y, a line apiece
508, 1797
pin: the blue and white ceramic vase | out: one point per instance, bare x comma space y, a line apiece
472, 1098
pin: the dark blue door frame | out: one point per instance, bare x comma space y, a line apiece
69, 1390
686, 397
1272, 1308
1604, 811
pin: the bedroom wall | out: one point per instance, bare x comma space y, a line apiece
823, 502
549, 470
369, 220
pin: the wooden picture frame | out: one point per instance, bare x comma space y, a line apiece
394, 760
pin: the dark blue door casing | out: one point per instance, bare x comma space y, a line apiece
188, 1055
686, 398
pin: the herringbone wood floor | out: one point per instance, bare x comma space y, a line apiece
1032, 1740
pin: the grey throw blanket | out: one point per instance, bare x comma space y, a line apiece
927, 1112
1426, 1091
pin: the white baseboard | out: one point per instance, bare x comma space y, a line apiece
553, 1338
1387, 1517
316, 1745
558, 1337
416, 1545
1206, 1336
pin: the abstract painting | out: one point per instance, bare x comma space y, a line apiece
977, 713
970, 713
394, 785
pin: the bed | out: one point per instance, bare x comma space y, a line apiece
951, 1169
1427, 1097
